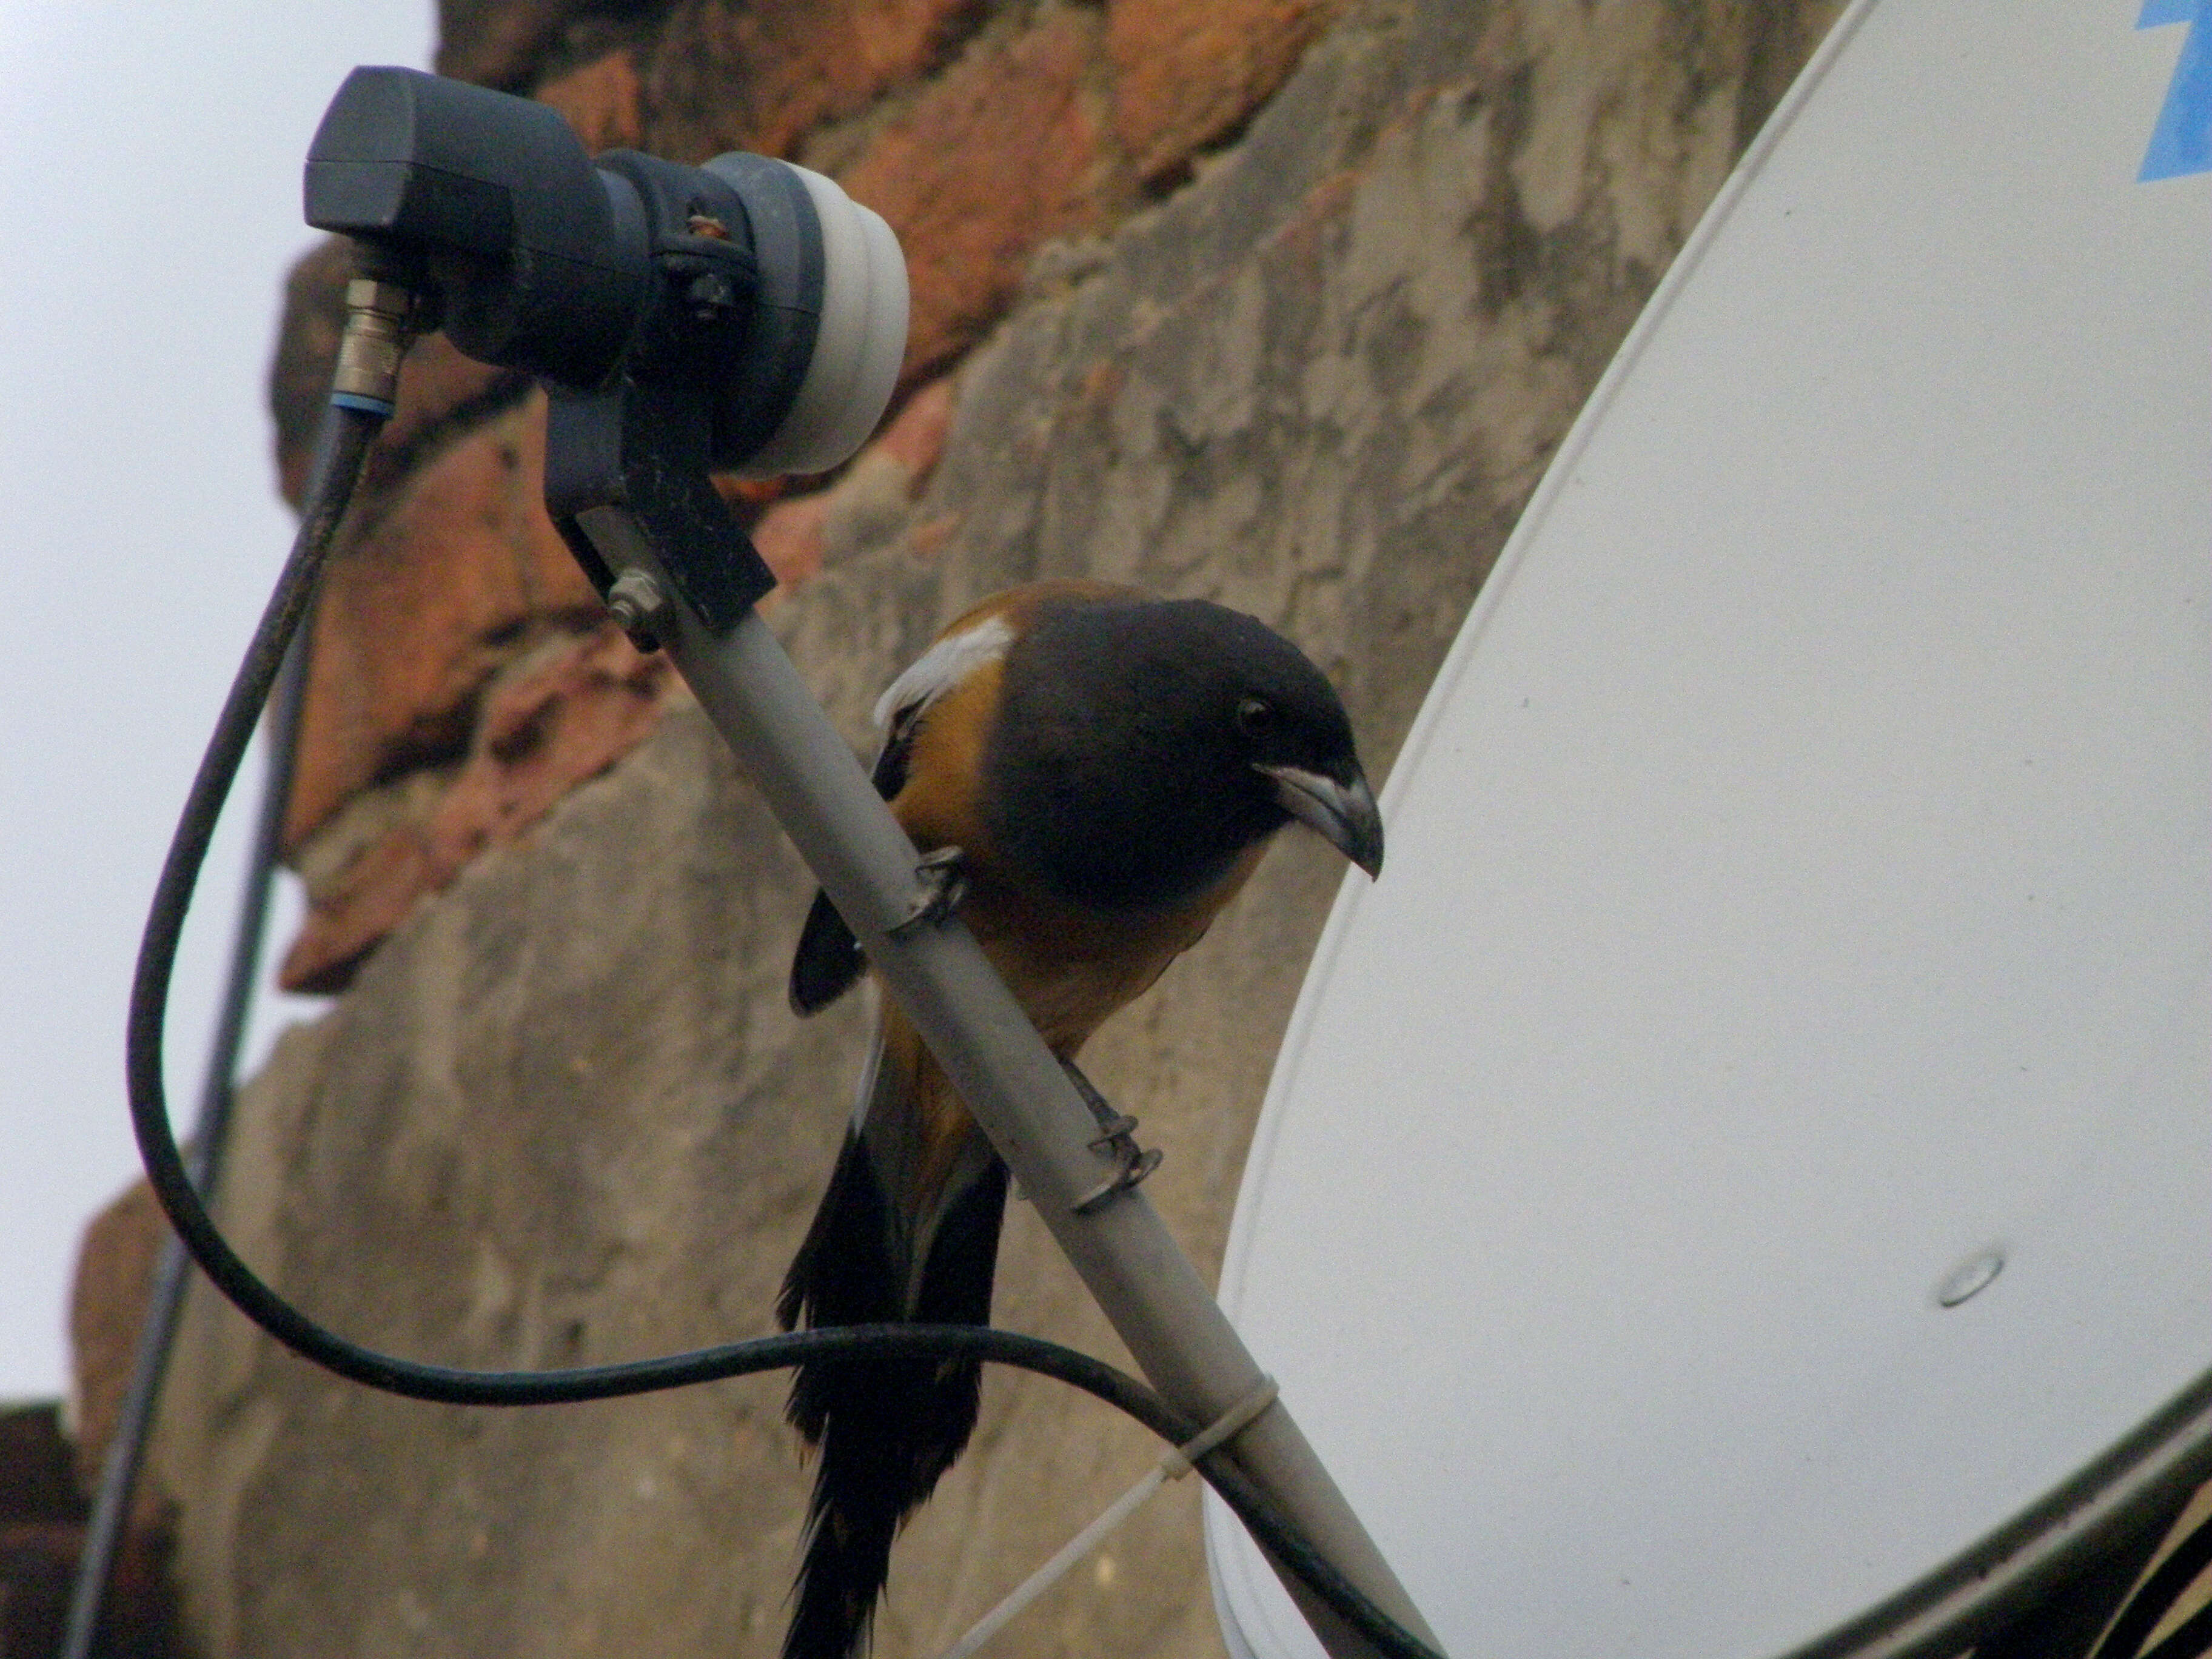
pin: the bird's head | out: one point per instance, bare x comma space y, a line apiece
1291, 732
1142, 746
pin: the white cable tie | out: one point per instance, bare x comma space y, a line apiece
1174, 1464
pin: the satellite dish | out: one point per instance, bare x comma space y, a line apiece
1755, 1144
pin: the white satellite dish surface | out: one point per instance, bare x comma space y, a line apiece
1799, 901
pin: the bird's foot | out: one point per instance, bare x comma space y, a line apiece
940, 883
1101, 1107
1116, 1139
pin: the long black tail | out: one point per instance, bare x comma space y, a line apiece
885, 1429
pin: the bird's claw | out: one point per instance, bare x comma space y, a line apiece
1116, 1139
940, 883
1112, 1129
1132, 1163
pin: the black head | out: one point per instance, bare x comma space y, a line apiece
1141, 745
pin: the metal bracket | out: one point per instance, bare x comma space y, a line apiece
641, 450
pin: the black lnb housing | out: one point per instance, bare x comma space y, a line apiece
755, 279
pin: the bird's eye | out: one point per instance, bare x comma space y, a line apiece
1256, 717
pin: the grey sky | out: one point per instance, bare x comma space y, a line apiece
149, 168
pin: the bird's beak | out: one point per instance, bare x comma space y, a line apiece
1344, 813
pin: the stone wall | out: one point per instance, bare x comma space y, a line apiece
43, 1517
1281, 302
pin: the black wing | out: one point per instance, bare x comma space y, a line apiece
829, 960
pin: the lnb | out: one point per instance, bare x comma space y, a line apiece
758, 281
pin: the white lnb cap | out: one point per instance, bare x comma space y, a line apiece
859, 344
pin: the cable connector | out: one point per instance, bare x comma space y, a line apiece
380, 316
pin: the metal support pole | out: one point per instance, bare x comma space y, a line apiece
1015, 1089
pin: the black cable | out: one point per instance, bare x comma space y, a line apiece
346, 437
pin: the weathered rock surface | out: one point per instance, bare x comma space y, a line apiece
563, 1113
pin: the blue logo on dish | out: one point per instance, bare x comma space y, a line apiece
2182, 141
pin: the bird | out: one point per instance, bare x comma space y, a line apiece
1092, 773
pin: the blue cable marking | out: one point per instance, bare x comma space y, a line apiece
366, 405
2181, 142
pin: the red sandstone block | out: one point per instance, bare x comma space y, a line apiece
794, 534
600, 101
434, 381
915, 438
758, 77
789, 537
348, 916
748, 495
499, 43
926, 539
997, 156
414, 618
1186, 76
544, 732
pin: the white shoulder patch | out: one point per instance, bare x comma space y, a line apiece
942, 667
